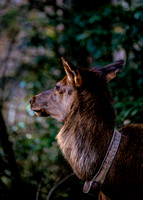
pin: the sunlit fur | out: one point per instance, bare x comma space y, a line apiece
89, 114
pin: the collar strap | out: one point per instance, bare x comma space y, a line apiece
100, 176
109, 157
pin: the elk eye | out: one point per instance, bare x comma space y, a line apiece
57, 88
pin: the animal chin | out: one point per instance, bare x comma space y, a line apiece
40, 113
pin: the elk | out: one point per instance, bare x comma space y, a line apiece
83, 101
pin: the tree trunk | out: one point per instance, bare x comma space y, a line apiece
8, 150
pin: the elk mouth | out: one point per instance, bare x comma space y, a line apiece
41, 113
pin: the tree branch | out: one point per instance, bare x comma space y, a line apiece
57, 185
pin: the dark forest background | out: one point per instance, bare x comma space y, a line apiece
34, 34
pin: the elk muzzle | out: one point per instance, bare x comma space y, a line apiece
37, 105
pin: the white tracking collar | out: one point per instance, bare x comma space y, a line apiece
93, 187
109, 157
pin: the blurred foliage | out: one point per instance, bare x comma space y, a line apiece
44, 33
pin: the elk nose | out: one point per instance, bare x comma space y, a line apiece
30, 101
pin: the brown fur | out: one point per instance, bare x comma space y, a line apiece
83, 102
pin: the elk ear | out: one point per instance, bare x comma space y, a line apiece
72, 72
111, 70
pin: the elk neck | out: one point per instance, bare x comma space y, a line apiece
86, 134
